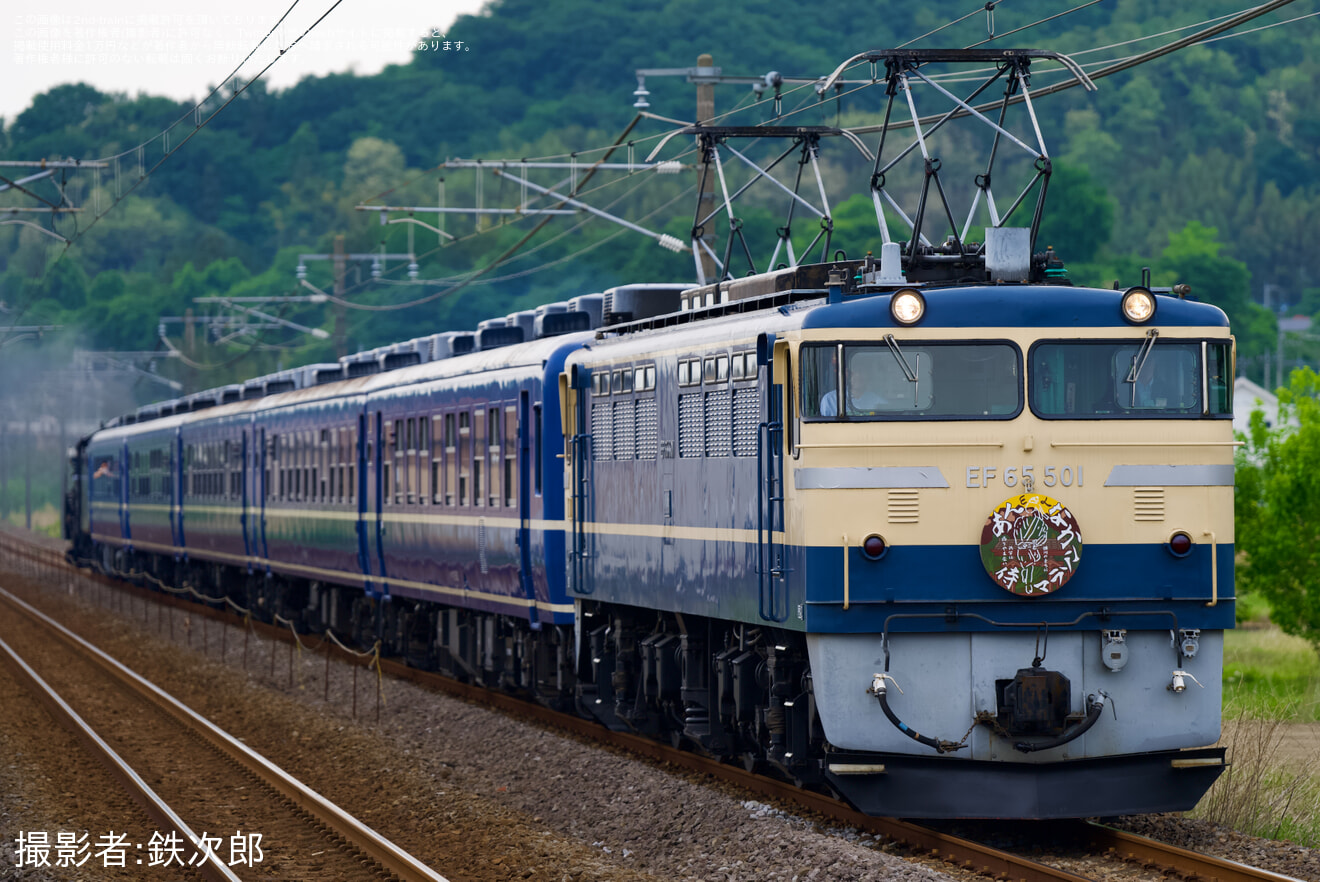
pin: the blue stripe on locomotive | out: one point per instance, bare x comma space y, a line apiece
900, 583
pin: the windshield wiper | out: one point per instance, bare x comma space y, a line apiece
1139, 362
907, 369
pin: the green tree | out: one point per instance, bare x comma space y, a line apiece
1193, 257
1278, 508
1079, 214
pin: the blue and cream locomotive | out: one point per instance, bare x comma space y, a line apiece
949, 548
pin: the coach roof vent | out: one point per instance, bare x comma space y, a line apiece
202, 400
525, 319
629, 303
327, 373
128, 419
305, 377
556, 323
463, 343
254, 388
495, 337
230, 394
402, 358
148, 412
592, 304
362, 364
280, 384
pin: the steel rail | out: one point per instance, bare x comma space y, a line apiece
394, 859
140, 790
950, 849
1172, 859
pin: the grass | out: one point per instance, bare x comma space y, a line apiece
1271, 684
1269, 675
1263, 792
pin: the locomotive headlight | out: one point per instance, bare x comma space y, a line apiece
1138, 305
907, 306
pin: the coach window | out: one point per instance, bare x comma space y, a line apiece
347, 456
267, 484
410, 461
464, 455
352, 463
478, 457
493, 436
441, 431
538, 429
708, 371
395, 462
423, 460
510, 456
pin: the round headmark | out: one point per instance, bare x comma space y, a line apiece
1031, 545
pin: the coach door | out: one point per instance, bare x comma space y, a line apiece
364, 521
525, 505
125, 482
176, 490
376, 455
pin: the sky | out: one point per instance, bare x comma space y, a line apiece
165, 47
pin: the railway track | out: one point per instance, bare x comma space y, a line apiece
960, 851
204, 788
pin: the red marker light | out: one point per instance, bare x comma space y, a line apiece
873, 547
1180, 544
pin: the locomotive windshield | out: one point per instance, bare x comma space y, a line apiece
900, 380
1125, 379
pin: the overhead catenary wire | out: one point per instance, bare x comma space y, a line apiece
1041, 21
199, 125
505, 255
1108, 70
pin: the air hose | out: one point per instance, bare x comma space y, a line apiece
1094, 706
880, 690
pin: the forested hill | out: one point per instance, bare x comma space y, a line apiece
1201, 165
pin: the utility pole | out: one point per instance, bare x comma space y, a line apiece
706, 196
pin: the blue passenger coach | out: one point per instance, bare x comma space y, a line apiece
358, 504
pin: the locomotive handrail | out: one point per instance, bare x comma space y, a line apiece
845, 571
1214, 569
770, 500
1147, 443
581, 452
859, 444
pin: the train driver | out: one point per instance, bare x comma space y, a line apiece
874, 384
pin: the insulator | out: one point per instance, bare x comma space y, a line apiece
669, 167
669, 243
